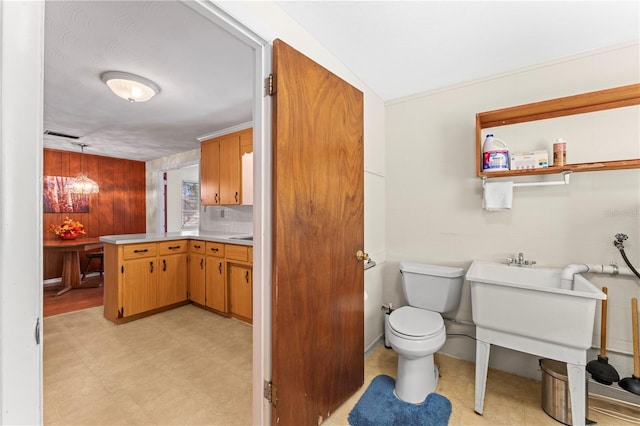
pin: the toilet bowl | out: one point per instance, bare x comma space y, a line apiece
415, 332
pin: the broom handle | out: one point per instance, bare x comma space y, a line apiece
603, 325
634, 325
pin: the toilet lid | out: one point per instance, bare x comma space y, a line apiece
415, 322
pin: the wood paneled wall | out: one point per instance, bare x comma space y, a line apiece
119, 207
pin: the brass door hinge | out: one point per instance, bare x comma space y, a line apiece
270, 87
270, 393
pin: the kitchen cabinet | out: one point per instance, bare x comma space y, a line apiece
137, 275
172, 273
221, 172
197, 271
216, 283
240, 292
579, 104
240, 281
144, 278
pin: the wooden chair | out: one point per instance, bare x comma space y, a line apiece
90, 257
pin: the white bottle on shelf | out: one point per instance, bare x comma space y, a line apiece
495, 154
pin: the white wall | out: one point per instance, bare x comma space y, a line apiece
434, 212
175, 178
154, 170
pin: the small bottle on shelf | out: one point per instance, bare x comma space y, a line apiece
559, 152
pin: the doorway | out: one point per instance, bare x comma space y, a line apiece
261, 125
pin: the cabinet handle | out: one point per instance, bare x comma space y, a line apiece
164, 265
220, 267
174, 247
236, 196
197, 246
141, 251
151, 265
216, 198
202, 263
246, 276
215, 250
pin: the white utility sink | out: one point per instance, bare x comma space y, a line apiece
528, 309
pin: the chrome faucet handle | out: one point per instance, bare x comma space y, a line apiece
520, 258
529, 262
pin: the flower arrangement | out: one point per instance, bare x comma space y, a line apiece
68, 230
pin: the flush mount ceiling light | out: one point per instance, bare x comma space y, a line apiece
130, 86
81, 184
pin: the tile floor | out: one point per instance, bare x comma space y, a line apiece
188, 366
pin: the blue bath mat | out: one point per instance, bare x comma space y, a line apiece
378, 406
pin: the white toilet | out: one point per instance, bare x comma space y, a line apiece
417, 331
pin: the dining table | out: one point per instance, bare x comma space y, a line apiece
70, 249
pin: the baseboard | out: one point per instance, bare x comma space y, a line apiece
56, 281
613, 392
373, 345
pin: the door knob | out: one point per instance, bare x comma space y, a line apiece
360, 255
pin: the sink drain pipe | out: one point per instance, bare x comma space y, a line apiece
566, 279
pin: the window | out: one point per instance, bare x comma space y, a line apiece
190, 204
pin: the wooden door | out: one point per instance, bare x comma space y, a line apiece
230, 169
318, 284
210, 173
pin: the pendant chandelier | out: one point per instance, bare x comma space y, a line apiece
81, 184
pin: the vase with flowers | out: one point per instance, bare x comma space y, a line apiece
68, 230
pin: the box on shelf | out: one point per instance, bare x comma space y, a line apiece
529, 160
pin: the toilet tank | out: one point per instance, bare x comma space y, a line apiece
432, 287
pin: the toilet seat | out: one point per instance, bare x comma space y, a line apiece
415, 324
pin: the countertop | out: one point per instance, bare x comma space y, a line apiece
218, 237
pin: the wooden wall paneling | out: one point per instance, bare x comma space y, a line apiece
141, 194
137, 183
105, 212
119, 207
119, 196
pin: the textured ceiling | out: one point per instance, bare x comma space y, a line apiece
205, 76
396, 48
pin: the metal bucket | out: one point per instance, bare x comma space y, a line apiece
556, 401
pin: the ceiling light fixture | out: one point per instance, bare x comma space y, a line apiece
81, 184
130, 86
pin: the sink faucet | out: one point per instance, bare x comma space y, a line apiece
520, 261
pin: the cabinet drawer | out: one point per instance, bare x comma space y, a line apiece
215, 249
172, 247
236, 252
134, 251
196, 246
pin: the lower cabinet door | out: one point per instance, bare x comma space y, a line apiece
138, 286
172, 279
240, 292
216, 289
197, 278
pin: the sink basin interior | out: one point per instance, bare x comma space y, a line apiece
537, 279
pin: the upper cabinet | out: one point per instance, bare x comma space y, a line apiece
223, 173
625, 96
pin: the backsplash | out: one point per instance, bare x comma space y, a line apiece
227, 219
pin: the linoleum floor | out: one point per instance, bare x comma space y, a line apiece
188, 366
